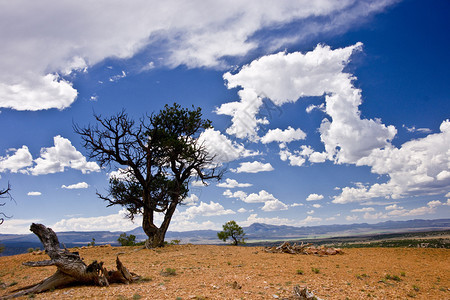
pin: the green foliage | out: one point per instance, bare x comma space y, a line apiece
127, 240
300, 272
175, 242
392, 277
2, 248
168, 272
92, 243
315, 270
232, 230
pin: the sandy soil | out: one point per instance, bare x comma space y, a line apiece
227, 272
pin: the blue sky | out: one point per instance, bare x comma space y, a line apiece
333, 112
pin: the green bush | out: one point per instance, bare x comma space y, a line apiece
127, 240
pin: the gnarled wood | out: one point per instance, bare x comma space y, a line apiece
70, 267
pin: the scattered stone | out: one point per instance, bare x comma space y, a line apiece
286, 247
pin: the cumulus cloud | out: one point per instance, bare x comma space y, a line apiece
191, 200
34, 193
62, 155
274, 205
253, 167
221, 148
38, 51
393, 207
20, 159
204, 209
310, 219
231, 183
317, 205
113, 222
80, 185
314, 197
283, 136
17, 226
260, 197
418, 167
352, 218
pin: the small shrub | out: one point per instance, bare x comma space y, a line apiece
300, 272
315, 270
127, 240
92, 243
137, 297
175, 242
416, 288
168, 272
392, 277
403, 274
30, 250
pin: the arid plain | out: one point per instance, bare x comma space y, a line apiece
227, 272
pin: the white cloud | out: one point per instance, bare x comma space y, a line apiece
274, 205
393, 207
231, 183
16, 162
34, 193
80, 185
414, 129
310, 219
238, 194
221, 148
375, 216
117, 77
41, 92
113, 222
310, 212
69, 35
283, 136
430, 208
317, 205
314, 197
294, 159
253, 167
253, 218
17, 226
242, 210
57, 158
352, 218
296, 204
418, 167
191, 200
261, 197
204, 209
365, 209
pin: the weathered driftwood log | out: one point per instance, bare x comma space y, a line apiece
70, 267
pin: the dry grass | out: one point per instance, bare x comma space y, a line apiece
211, 272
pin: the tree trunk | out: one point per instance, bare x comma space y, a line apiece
156, 235
70, 267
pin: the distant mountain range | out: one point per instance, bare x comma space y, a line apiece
19, 243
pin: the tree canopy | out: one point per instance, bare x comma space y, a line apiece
156, 158
232, 230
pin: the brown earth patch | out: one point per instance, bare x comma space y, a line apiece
227, 272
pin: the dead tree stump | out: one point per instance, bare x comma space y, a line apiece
70, 267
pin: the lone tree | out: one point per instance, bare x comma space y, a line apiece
159, 155
4, 194
232, 230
